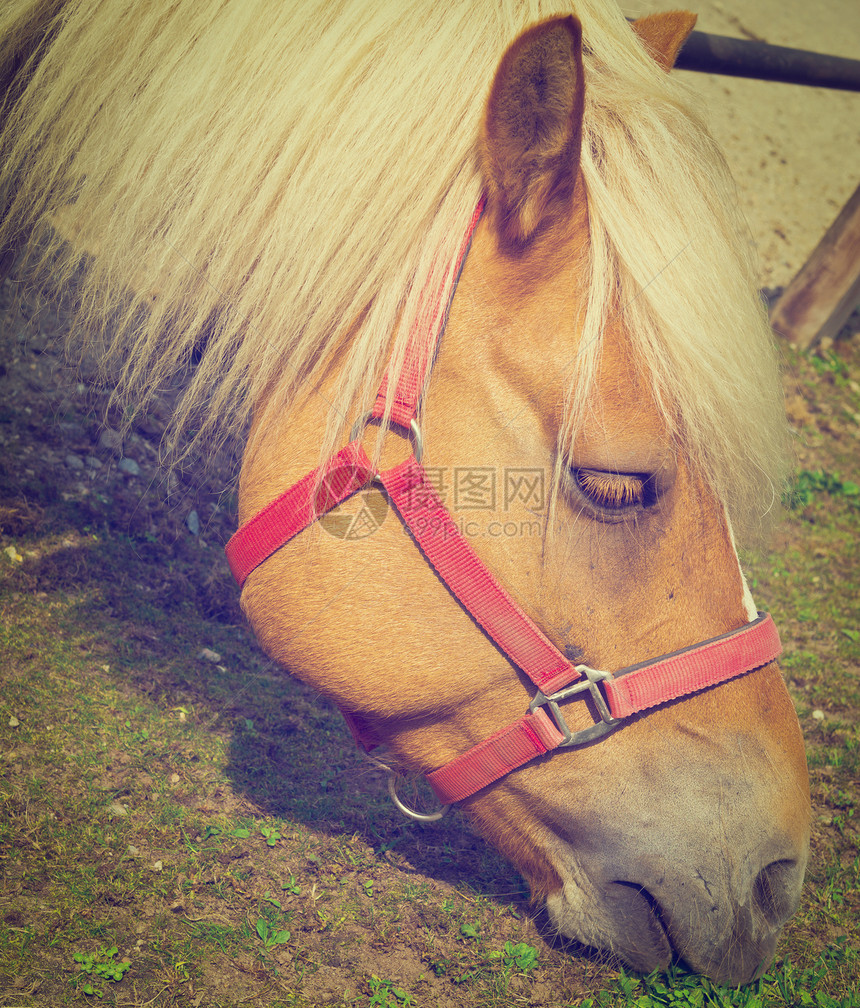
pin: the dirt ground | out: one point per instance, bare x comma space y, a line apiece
794, 151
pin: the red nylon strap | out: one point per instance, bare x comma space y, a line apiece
423, 342
683, 672
632, 690
531, 736
470, 581
297, 508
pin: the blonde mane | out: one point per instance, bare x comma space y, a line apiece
242, 181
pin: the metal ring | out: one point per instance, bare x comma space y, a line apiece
414, 430
411, 813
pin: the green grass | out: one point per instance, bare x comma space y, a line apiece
784, 985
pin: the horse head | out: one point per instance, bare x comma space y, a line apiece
685, 832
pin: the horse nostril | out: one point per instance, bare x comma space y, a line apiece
776, 891
642, 936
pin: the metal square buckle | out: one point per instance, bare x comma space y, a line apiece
600, 728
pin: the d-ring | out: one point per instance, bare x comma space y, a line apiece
411, 813
414, 431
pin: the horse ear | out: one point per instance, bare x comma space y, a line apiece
664, 34
532, 128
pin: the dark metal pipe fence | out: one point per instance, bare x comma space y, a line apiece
718, 54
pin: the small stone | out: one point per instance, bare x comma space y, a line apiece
117, 810
14, 722
207, 654
157, 866
91, 462
818, 715
74, 461
133, 850
175, 778
192, 522
110, 439
128, 466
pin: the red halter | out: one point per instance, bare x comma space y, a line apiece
616, 695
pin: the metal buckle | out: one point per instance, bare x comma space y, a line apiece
600, 728
414, 430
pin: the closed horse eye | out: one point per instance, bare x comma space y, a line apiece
614, 493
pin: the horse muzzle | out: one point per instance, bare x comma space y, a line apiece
725, 929
705, 876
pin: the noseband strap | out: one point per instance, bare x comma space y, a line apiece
613, 697
624, 693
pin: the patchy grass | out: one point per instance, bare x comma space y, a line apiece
173, 803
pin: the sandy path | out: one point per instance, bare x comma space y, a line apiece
795, 151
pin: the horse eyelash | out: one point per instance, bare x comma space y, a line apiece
613, 491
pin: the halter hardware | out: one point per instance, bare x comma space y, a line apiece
410, 813
600, 728
414, 431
